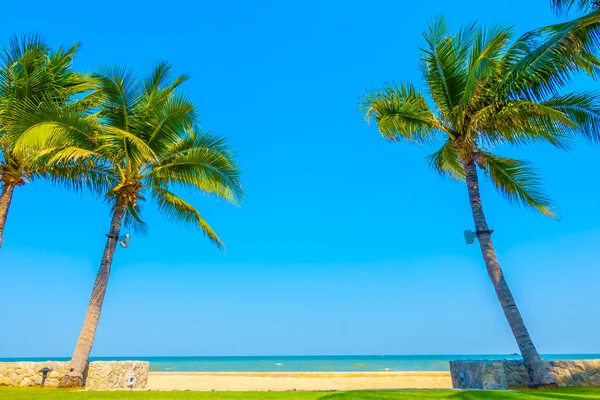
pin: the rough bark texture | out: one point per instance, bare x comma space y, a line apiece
539, 374
5, 199
79, 361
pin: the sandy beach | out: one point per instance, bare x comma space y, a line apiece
207, 381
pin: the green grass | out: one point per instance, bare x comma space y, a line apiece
54, 394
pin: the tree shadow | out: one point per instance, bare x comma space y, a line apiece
578, 393
555, 394
422, 395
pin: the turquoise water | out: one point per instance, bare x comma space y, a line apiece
310, 363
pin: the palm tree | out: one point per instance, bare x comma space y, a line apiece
33, 78
487, 92
148, 144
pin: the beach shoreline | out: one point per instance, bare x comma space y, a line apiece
301, 381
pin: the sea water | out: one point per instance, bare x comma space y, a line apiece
309, 363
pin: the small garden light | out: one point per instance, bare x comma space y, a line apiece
44, 372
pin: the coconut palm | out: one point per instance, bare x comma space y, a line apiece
33, 78
484, 92
147, 144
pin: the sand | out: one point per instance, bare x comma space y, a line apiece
206, 381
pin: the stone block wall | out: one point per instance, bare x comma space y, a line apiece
117, 375
505, 374
100, 375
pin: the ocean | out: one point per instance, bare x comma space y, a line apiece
308, 363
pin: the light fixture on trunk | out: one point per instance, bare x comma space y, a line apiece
470, 236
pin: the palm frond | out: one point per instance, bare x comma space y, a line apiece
583, 42
562, 7
169, 119
161, 74
446, 161
583, 112
202, 161
81, 175
179, 210
54, 126
523, 122
444, 64
161, 78
133, 148
543, 61
485, 53
401, 112
517, 182
133, 219
30, 45
122, 91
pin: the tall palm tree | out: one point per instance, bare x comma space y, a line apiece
484, 92
148, 144
34, 78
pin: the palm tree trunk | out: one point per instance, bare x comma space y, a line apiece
79, 361
5, 199
538, 373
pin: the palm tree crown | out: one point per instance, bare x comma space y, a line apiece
487, 92
33, 80
148, 144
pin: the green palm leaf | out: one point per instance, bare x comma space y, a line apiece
444, 64
401, 112
543, 61
179, 210
516, 181
202, 161
582, 110
487, 48
583, 6
524, 122
446, 161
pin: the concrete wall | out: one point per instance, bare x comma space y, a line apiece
499, 375
99, 375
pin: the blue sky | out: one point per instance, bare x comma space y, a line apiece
345, 244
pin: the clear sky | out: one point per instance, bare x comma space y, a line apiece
345, 245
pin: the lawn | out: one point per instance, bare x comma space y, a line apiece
54, 394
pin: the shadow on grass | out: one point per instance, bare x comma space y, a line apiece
579, 393
422, 395
560, 394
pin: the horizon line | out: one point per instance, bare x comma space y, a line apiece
306, 355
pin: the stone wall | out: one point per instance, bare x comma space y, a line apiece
505, 374
99, 375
